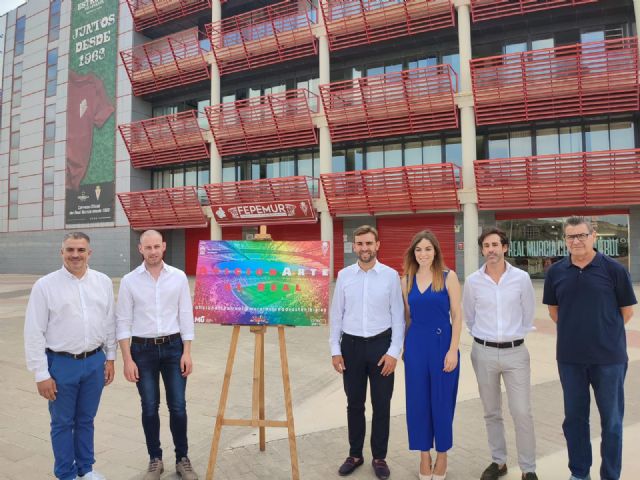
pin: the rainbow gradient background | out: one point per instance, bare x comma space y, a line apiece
229, 274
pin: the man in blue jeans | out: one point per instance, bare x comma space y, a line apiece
70, 345
154, 319
591, 298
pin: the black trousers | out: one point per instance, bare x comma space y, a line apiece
361, 357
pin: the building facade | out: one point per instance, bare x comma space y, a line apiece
207, 118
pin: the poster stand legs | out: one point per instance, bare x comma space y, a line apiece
258, 411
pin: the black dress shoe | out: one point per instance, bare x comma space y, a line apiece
493, 471
380, 468
349, 465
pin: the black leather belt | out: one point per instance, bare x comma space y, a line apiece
386, 333
156, 340
76, 356
514, 343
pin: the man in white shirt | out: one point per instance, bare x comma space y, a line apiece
70, 346
367, 332
499, 305
154, 319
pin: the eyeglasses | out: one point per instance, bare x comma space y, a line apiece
578, 236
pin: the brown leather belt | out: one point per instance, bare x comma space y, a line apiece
156, 340
76, 356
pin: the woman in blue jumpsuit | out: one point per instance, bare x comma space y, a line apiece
434, 319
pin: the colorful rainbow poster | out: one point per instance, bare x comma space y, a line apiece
262, 283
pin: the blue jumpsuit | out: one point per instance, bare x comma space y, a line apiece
431, 392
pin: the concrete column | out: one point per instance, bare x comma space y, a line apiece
326, 149
636, 11
215, 163
468, 196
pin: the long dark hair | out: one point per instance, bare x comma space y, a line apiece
438, 266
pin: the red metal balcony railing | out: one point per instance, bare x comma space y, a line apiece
174, 60
264, 202
358, 22
489, 9
399, 189
271, 122
583, 179
411, 101
265, 36
175, 138
577, 80
166, 208
149, 13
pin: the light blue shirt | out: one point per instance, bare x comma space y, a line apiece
365, 304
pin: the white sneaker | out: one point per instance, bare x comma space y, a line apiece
93, 475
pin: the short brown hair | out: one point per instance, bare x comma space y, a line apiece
504, 240
364, 229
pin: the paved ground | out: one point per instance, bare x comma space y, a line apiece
319, 409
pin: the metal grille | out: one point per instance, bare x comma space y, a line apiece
489, 9
577, 80
584, 179
411, 101
271, 122
149, 13
265, 36
400, 189
171, 61
358, 22
166, 208
166, 140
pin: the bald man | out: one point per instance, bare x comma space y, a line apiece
154, 319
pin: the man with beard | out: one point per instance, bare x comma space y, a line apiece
155, 328
499, 305
70, 345
367, 331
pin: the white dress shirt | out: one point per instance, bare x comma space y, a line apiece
500, 312
148, 308
365, 304
68, 314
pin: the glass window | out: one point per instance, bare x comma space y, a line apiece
498, 145
354, 159
547, 141
305, 164
52, 72
287, 166
432, 151
520, 144
229, 172
597, 137
542, 43
516, 47
167, 181
54, 20
203, 174
47, 208
621, 134
453, 59
570, 139
338, 161
393, 155
191, 176
47, 175
423, 62
19, 40
178, 177
453, 151
16, 98
272, 168
375, 157
413, 153
49, 130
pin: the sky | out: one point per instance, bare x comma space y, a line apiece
6, 5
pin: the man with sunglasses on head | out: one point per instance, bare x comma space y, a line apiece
70, 346
591, 298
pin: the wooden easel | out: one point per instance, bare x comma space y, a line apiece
257, 410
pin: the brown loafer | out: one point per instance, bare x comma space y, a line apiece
380, 468
349, 465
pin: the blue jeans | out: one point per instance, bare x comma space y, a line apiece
607, 382
80, 384
153, 361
